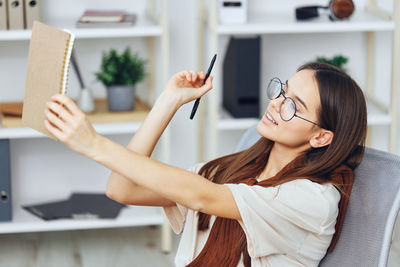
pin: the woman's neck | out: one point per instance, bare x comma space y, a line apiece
278, 158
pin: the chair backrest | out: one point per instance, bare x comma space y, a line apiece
367, 229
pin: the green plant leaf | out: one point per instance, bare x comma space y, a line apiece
338, 61
121, 69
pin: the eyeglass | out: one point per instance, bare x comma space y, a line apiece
288, 107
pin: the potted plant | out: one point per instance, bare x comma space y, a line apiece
338, 61
119, 73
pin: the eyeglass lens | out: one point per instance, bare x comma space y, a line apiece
288, 107
274, 88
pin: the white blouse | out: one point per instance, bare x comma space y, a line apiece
291, 224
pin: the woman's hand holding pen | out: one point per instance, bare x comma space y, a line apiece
187, 86
70, 125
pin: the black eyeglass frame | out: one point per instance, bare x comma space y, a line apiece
285, 98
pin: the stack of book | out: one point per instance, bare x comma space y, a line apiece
105, 19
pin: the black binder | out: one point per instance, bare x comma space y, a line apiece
5, 181
241, 77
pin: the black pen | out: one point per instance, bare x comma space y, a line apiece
196, 104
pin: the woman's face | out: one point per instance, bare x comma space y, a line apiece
296, 133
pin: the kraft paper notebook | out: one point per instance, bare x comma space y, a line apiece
47, 72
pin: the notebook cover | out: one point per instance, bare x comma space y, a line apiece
47, 51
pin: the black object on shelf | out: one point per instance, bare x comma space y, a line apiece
241, 77
76, 68
78, 206
5, 181
337, 10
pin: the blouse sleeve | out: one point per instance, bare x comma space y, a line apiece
176, 214
277, 219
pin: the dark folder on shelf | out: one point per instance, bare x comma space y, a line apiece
50, 211
96, 205
78, 206
5, 181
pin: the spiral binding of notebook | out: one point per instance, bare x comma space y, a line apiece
66, 63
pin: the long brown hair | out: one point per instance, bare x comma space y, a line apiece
342, 111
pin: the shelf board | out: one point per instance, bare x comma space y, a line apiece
143, 27
280, 22
227, 122
130, 216
104, 122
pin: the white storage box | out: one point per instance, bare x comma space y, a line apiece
232, 12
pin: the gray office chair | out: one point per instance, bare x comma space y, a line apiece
371, 213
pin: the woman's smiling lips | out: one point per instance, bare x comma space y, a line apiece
268, 119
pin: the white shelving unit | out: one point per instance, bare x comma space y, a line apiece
129, 216
368, 21
144, 27
101, 128
279, 22
154, 28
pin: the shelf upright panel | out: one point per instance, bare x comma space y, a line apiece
213, 97
395, 76
200, 67
166, 234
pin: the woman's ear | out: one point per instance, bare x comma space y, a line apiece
323, 138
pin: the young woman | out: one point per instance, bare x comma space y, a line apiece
280, 202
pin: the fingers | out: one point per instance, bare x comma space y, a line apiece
54, 130
58, 111
202, 75
62, 113
67, 102
206, 87
192, 76
55, 120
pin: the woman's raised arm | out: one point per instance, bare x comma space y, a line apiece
122, 189
183, 87
70, 125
